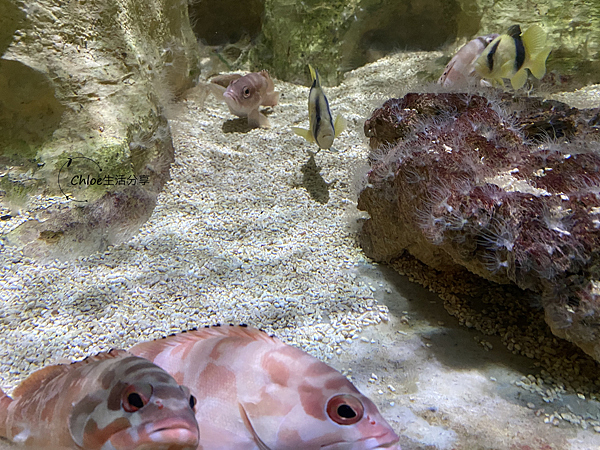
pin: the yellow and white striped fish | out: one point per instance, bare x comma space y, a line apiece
259, 394
110, 401
323, 130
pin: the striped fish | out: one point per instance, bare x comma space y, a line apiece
323, 130
259, 394
111, 401
510, 54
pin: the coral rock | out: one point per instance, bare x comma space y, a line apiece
506, 188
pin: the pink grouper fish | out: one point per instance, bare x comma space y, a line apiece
245, 94
460, 71
111, 401
259, 394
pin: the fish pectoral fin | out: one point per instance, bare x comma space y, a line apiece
339, 125
259, 443
258, 120
306, 134
519, 79
271, 99
5, 401
217, 91
538, 64
507, 69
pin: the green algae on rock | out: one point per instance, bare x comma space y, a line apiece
84, 87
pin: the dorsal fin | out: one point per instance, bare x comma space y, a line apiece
151, 348
314, 76
37, 378
45, 374
111, 354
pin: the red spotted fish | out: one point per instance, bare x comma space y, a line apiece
245, 94
259, 394
322, 128
111, 401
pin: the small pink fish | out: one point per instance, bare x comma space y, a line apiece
259, 394
245, 94
111, 401
460, 71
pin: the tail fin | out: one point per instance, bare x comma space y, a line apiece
5, 400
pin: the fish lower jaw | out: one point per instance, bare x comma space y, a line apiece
364, 444
382, 442
179, 437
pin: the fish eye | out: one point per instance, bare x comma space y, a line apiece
136, 397
246, 92
345, 409
193, 401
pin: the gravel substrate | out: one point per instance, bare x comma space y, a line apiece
236, 237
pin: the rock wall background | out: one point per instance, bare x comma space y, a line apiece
83, 90
337, 36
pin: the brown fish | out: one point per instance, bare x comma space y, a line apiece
111, 401
244, 95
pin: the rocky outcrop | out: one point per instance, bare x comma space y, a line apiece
85, 146
506, 188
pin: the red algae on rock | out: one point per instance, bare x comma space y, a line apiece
506, 188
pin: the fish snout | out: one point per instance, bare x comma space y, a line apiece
229, 94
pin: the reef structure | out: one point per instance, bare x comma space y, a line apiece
507, 188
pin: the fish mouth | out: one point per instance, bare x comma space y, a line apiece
176, 432
230, 95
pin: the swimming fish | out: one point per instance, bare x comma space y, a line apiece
322, 127
110, 401
259, 394
460, 71
245, 94
510, 54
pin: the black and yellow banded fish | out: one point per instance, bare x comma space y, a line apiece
510, 54
323, 129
